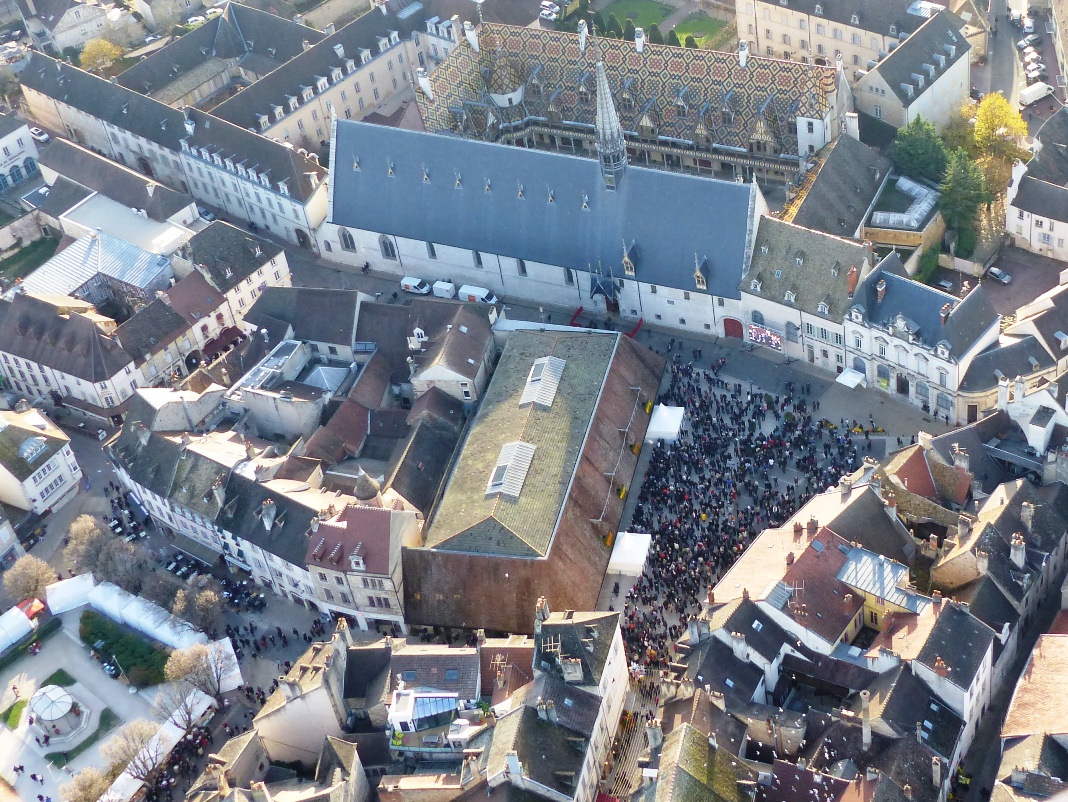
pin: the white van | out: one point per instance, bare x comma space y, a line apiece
1034, 93
477, 295
1028, 25
444, 289
414, 285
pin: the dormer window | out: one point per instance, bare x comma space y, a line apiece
291, 102
283, 187
265, 180
229, 164
893, 30
241, 171
321, 83
790, 296
754, 285
394, 38
854, 20
263, 121
764, 248
335, 74
383, 44
823, 309
819, 10
699, 280
365, 55
306, 93
800, 259
277, 112
350, 66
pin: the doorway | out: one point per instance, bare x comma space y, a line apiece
902, 384
732, 327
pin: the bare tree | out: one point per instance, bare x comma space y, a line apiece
85, 542
161, 588
124, 564
200, 604
177, 702
135, 747
88, 785
202, 666
28, 577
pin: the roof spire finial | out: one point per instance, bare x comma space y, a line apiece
611, 146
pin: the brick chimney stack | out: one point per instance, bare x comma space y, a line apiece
865, 718
1018, 551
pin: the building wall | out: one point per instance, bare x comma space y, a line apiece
164, 13
81, 23
968, 703
50, 486
938, 103
296, 730
1033, 232
874, 97
782, 32
18, 157
815, 339
36, 380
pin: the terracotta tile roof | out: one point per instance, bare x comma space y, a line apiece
357, 531
909, 466
1039, 704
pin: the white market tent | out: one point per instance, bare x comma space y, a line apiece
851, 378
665, 424
155, 752
69, 593
628, 554
145, 616
14, 625
232, 680
109, 599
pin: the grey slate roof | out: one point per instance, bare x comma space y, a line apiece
363, 32
159, 123
713, 663
583, 636
874, 17
961, 640
19, 428
222, 248
669, 216
921, 306
33, 330
430, 662
901, 699
941, 34
150, 330
1011, 360
121, 184
818, 283
63, 195
1051, 161
1042, 198
846, 183
419, 465
326, 316
9, 124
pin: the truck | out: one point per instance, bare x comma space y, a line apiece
444, 289
1034, 93
414, 285
477, 295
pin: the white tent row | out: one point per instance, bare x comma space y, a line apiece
143, 615
156, 750
665, 424
69, 593
233, 679
14, 625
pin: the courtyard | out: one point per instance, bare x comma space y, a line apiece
645, 13
103, 704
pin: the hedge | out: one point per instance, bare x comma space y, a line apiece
142, 661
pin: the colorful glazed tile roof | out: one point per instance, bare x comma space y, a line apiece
531, 76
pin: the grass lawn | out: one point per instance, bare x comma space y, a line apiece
643, 12
59, 677
699, 26
13, 715
108, 720
27, 259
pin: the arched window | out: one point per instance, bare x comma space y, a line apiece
16, 174
30, 165
347, 242
389, 249
859, 366
758, 318
792, 333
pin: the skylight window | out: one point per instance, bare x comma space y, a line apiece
510, 472
32, 448
543, 382
757, 626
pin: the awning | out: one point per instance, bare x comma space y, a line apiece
198, 551
225, 338
851, 378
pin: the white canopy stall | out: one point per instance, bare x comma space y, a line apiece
628, 554
14, 626
851, 378
665, 424
69, 593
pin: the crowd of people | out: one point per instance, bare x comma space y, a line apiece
745, 460
181, 765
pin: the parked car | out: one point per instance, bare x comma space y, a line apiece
40, 136
211, 13
1028, 25
548, 5
551, 16
196, 20
1037, 75
999, 275
1032, 57
152, 37
1029, 41
976, 95
205, 214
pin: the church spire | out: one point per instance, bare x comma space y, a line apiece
611, 147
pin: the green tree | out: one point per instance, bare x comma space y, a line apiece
998, 128
628, 30
613, 26
690, 41
919, 152
584, 7
654, 35
959, 131
599, 24
673, 39
963, 191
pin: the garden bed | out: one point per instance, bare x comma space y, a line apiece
13, 715
141, 660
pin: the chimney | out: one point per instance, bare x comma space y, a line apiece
960, 458
1003, 636
743, 52
880, 290
919, 730
654, 733
1054, 389
936, 771
738, 644
639, 39
218, 491
847, 486
932, 542
852, 277
422, 80
907, 790
1003, 393
543, 712
942, 670
584, 33
936, 597
711, 597
982, 562
798, 529
890, 505
745, 594
290, 688
1027, 515
1019, 389
813, 526
944, 312
305, 44
692, 631
1017, 551
550, 709
964, 527
865, 718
